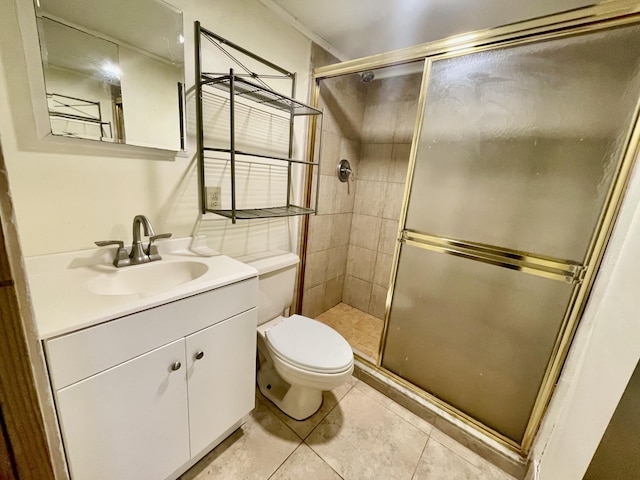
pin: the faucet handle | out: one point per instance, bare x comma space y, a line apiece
106, 243
122, 256
153, 238
152, 250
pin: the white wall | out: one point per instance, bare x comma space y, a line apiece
69, 195
150, 99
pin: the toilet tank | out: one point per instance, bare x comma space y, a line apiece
276, 280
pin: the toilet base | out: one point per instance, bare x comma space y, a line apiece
297, 392
296, 401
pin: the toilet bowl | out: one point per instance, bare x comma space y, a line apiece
298, 357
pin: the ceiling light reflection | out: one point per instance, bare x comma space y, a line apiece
111, 70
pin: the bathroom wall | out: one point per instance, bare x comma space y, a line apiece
68, 195
144, 98
389, 121
618, 455
343, 100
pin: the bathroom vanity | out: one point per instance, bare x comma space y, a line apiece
145, 383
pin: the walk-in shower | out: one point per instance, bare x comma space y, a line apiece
485, 189
352, 239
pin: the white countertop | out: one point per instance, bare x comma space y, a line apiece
63, 304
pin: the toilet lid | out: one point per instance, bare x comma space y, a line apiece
310, 345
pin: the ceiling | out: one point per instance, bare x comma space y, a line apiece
357, 28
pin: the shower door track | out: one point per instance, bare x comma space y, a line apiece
582, 20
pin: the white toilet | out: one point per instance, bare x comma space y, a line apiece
298, 357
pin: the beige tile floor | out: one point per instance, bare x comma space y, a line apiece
357, 434
361, 330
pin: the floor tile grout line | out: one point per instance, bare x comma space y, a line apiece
424, 449
461, 457
323, 460
396, 414
481, 457
285, 460
426, 440
270, 406
331, 410
320, 422
429, 435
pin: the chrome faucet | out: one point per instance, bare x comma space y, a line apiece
138, 253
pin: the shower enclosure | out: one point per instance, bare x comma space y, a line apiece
351, 241
522, 146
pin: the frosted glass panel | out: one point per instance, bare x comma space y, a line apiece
474, 335
519, 145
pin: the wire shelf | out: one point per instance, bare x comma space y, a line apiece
259, 94
271, 212
249, 86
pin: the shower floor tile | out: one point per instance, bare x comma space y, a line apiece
361, 330
359, 435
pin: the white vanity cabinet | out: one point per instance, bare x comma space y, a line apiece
130, 421
220, 390
143, 396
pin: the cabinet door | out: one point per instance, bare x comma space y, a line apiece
221, 382
128, 422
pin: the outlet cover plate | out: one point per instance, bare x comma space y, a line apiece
214, 201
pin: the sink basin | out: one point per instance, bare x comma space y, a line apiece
146, 278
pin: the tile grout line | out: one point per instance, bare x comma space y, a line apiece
480, 469
424, 449
396, 414
428, 435
285, 460
314, 428
325, 416
323, 460
270, 406
493, 453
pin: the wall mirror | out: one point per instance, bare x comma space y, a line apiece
114, 70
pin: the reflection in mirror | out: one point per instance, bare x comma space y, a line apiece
83, 83
114, 77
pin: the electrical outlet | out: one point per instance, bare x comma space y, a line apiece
214, 202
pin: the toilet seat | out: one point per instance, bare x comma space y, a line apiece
310, 345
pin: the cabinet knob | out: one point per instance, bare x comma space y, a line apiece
199, 355
176, 366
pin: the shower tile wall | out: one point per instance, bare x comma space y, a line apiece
351, 241
343, 100
389, 119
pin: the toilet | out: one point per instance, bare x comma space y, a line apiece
298, 357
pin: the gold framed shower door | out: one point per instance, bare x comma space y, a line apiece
590, 19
